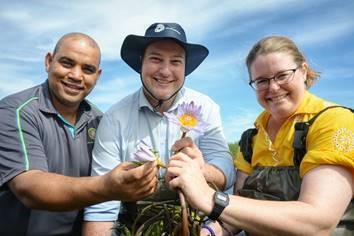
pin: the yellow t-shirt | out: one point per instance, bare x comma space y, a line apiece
330, 139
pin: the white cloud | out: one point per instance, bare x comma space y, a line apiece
328, 32
13, 79
7, 86
228, 28
106, 93
238, 121
110, 21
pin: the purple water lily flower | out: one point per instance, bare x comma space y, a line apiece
145, 153
189, 117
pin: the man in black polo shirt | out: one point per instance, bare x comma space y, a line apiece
46, 139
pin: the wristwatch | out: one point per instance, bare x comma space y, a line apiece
221, 200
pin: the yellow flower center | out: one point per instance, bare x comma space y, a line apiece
188, 119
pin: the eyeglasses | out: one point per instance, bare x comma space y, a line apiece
282, 77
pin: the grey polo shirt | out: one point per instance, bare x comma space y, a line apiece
33, 136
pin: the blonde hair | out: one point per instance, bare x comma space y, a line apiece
283, 44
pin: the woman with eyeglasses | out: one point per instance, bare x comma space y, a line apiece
290, 181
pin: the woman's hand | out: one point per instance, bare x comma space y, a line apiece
185, 174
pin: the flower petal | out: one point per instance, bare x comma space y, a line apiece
189, 117
143, 153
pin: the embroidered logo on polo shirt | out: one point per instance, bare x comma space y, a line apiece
343, 140
91, 133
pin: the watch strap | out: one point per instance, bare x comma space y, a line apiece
218, 206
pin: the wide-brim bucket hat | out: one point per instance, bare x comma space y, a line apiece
134, 46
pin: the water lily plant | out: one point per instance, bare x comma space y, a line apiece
169, 217
189, 117
145, 153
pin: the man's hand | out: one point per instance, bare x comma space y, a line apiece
127, 182
187, 146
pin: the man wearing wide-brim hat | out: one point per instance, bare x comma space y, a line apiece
162, 58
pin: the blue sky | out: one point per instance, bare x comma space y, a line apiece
323, 29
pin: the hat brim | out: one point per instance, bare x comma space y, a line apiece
134, 45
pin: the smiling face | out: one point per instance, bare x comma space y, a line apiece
73, 70
281, 101
163, 69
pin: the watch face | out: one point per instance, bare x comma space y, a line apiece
221, 199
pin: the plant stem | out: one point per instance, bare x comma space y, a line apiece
184, 134
185, 228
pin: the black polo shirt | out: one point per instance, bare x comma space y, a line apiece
33, 136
